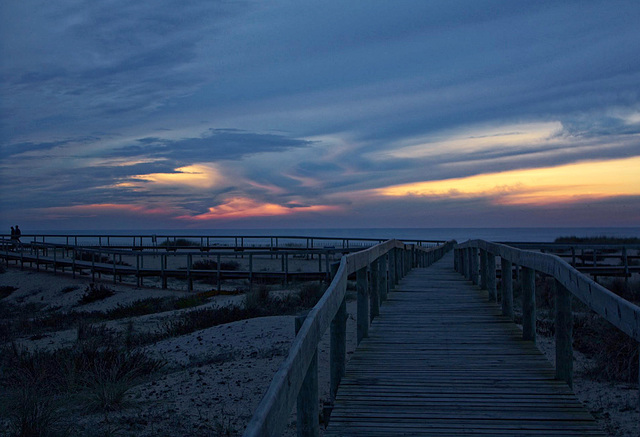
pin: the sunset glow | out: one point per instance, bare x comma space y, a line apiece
197, 175
536, 186
239, 207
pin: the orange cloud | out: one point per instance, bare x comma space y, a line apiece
566, 183
197, 175
239, 207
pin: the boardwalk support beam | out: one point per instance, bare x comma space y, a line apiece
564, 335
307, 403
506, 288
362, 287
528, 304
491, 277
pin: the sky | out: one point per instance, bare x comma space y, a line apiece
205, 114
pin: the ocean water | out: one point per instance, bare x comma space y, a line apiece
409, 234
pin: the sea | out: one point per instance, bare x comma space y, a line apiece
409, 234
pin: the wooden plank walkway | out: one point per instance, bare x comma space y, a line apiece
441, 360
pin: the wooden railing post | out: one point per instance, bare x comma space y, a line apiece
467, 263
189, 277
396, 266
484, 271
474, 265
507, 287
564, 334
338, 347
382, 274
363, 304
528, 304
390, 272
374, 288
307, 403
491, 277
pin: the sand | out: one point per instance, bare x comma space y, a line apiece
215, 378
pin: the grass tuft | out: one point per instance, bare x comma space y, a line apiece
94, 293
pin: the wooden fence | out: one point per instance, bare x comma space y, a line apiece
208, 242
142, 264
593, 259
377, 270
476, 259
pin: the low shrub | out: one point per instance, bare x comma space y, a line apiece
195, 320
180, 242
311, 293
257, 300
154, 305
38, 385
93, 257
614, 353
600, 239
208, 264
6, 290
629, 290
95, 293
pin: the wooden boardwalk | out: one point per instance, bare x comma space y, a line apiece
441, 360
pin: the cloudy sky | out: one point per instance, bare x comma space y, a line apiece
295, 114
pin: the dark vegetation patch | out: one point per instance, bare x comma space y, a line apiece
97, 258
69, 289
614, 353
180, 242
6, 290
207, 264
42, 388
95, 292
257, 303
154, 305
601, 239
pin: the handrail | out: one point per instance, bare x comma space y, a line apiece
72, 257
156, 239
568, 281
271, 416
618, 311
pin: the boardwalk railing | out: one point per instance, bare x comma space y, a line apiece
208, 242
594, 259
476, 259
147, 263
377, 270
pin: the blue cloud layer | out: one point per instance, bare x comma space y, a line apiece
302, 104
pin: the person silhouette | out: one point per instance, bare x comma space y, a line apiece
18, 233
